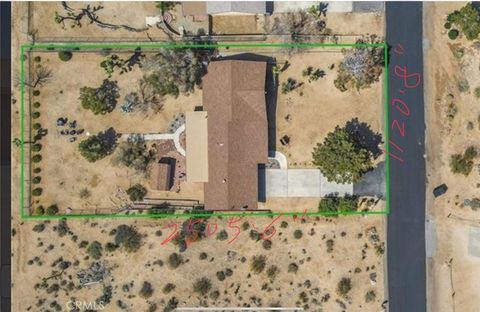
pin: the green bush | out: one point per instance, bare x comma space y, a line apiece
297, 234
467, 19
36, 180
267, 244
36, 158
168, 288
37, 191
37, 59
52, 210
35, 115
175, 260
220, 276
447, 25
222, 235
36, 126
292, 268
36, 92
37, 170
463, 164
94, 250
36, 147
344, 286
331, 204
65, 55
453, 34
257, 264
36, 104
477, 92
202, 286
137, 192
146, 291
39, 210
214, 295
128, 238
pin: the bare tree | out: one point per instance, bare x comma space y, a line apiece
75, 17
40, 76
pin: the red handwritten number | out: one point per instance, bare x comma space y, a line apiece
270, 229
191, 230
209, 224
172, 235
401, 128
231, 225
410, 81
401, 106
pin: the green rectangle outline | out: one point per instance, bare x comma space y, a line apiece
60, 46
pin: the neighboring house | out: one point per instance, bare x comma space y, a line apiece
237, 139
236, 7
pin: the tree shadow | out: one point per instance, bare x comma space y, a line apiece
362, 134
109, 139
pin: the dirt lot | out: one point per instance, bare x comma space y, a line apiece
59, 98
319, 269
446, 137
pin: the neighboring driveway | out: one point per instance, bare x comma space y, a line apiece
301, 183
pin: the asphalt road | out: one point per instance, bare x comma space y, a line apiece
406, 222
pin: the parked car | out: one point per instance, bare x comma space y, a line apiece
440, 190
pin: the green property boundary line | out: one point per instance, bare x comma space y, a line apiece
86, 46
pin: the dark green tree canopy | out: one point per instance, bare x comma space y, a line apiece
347, 153
98, 146
100, 100
467, 19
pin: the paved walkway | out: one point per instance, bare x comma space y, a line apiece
301, 183
161, 136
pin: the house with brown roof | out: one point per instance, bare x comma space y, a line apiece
237, 139
161, 174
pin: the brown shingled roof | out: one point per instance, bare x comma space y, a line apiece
234, 98
161, 175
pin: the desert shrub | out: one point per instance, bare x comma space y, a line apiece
254, 235
220, 275
52, 210
36, 180
203, 256
37, 191
330, 243
62, 228
447, 25
133, 155
110, 247
39, 210
35, 115
370, 296
245, 226
463, 163
65, 55
214, 295
222, 235
94, 250
37, 170
344, 286
292, 268
168, 288
297, 234
38, 228
467, 19
36, 92
361, 66
100, 100
228, 272
284, 224
267, 244
83, 244
175, 260
290, 85
333, 204
36, 104
146, 291
128, 237
257, 264
36, 126
98, 146
36, 147
202, 286
477, 92
463, 85
84, 193
137, 192
272, 272
453, 34
37, 59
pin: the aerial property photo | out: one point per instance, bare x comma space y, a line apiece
168, 128
171, 155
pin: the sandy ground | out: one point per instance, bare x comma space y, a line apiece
444, 138
318, 270
318, 274
59, 98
